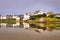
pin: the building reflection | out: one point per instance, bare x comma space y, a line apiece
21, 25
13, 25
41, 24
16, 25
9, 25
38, 27
0, 25
26, 25
3, 25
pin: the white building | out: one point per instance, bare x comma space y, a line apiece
3, 17
38, 12
26, 17
35, 13
16, 17
57, 15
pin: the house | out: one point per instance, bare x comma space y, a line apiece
21, 17
57, 15
9, 16
50, 13
38, 12
35, 13
3, 17
16, 17
26, 17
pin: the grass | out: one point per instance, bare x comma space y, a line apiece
8, 21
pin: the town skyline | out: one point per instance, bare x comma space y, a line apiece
32, 13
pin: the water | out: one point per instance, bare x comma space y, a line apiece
29, 31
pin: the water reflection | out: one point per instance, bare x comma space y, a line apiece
26, 26
37, 27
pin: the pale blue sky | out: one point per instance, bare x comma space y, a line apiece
23, 6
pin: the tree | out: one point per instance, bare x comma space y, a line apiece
33, 17
44, 15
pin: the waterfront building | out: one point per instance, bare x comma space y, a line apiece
16, 17
26, 17
57, 15
35, 13
21, 17
38, 12
9, 16
3, 17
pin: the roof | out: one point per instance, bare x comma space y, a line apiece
57, 14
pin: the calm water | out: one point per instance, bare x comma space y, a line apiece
32, 31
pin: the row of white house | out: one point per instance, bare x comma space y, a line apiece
25, 25
25, 16
12, 16
17, 25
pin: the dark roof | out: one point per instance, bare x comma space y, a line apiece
57, 14
37, 12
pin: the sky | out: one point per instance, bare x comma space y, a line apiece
10, 7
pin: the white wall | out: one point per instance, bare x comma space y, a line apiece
26, 17
3, 17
